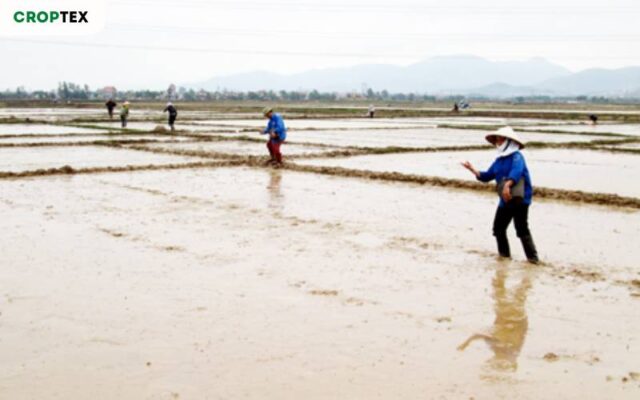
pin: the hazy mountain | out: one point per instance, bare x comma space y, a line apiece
444, 75
439, 74
503, 90
596, 82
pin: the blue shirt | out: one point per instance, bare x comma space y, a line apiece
511, 167
276, 125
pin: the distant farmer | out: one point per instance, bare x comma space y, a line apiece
124, 113
173, 114
593, 118
514, 188
277, 135
110, 106
456, 108
371, 111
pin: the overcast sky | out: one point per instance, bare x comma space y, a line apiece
151, 43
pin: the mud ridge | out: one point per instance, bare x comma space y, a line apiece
68, 170
544, 193
191, 153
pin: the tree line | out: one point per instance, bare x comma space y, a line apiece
69, 91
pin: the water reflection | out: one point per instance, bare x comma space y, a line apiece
506, 337
276, 198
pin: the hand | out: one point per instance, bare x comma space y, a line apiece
470, 167
273, 135
506, 191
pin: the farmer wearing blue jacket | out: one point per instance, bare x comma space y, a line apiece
277, 135
510, 167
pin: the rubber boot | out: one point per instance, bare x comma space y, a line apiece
503, 246
530, 249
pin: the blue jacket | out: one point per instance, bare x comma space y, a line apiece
276, 124
511, 167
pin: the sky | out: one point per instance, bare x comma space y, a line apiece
148, 44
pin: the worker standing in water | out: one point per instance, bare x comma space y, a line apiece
371, 111
511, 174
277, 135
124, 114
110, 106
173, 114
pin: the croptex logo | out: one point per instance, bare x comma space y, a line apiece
43, 17
51, 17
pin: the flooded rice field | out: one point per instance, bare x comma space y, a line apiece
43, 129
355, 123
86, 138
36, 158
141, 276
584, 170
622, 129
238, 148
486, 121
422, 137
189, 126
198, 278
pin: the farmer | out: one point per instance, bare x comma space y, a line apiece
511, 173
173, 114
124, 113
110, 106
277, 135
594, 119
371, 111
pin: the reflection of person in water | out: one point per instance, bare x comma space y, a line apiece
275, 192
509, 330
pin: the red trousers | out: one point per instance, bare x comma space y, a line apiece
274, 150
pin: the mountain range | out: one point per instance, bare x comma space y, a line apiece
463, 74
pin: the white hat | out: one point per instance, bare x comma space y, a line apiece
169, 104
505, 132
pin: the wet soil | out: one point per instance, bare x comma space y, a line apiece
166, 284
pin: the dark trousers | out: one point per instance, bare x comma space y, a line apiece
172, 120
274, 150
123, 119
519, 213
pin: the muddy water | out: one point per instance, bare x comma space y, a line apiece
47, 113
623, 129
89, 138
150, 126
197, 284
485, 121
356, 123
33, 158
424, 137
584, 170
42, 129
240, 148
